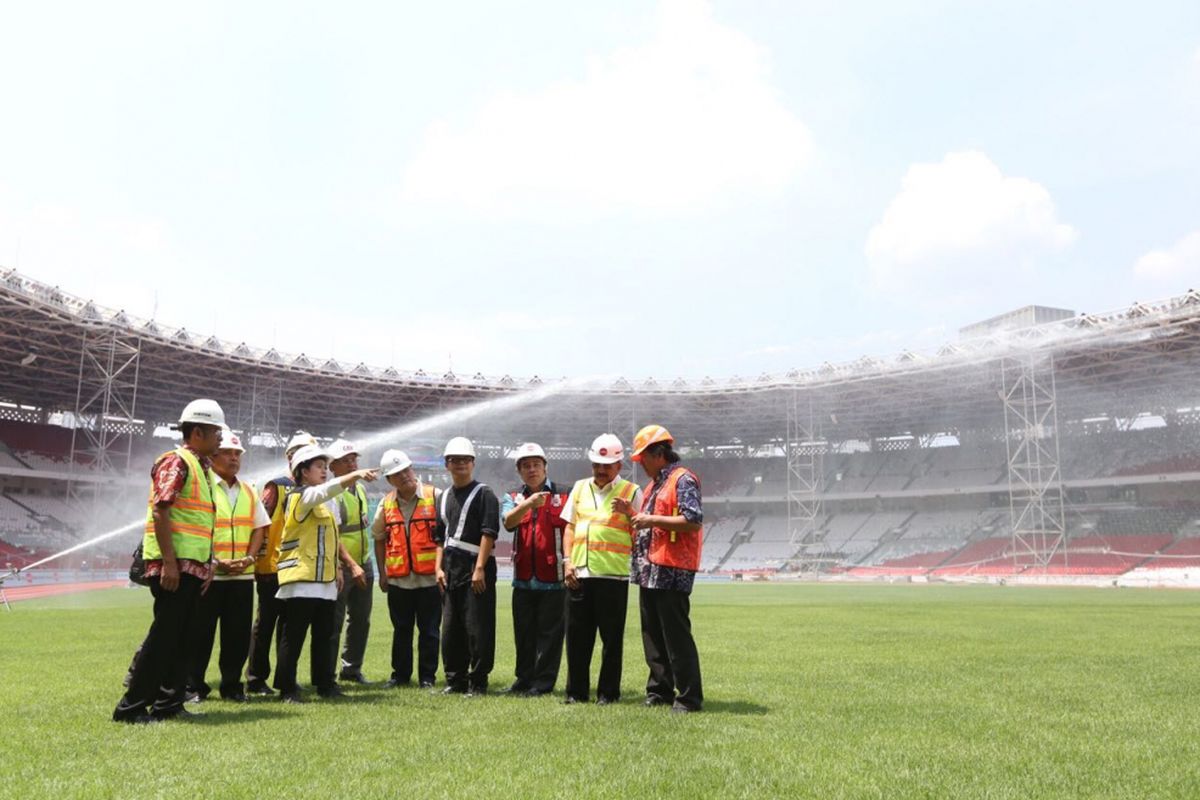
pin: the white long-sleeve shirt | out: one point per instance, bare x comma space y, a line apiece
310, 498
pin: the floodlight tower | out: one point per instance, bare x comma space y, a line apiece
805, 483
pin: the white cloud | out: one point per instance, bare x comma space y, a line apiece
1179, 262
676, 122
958, 214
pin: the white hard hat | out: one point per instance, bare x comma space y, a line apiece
459, 446
529, 450
231, 441
606, 449
307, 453
342, 448
299, 439
203, 412
394, 461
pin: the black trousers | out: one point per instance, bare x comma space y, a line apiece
160, 669
670, 649
539, 619
424, 607
469, 636
300, 614
231, 603
268, 623
356, 603
599, 604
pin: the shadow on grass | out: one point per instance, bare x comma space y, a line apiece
232, 717
740, 708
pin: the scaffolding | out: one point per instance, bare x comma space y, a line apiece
1035, 490
805, 484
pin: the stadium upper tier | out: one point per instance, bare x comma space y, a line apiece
1117, 364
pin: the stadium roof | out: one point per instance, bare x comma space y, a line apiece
1141, 359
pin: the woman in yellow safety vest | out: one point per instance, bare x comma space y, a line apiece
309, 579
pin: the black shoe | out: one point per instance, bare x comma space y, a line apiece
179, 712
605, 701
137, 719
454, 690
332, 693
476, 691
534, 692
292, 698
655, 700
393, 683
237, 697
426, 684
354, 677
570, 701
134, 716
193, 697
259, 687
681, 709
517, 688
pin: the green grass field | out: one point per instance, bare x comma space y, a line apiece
811, 691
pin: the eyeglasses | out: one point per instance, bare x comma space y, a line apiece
459, 459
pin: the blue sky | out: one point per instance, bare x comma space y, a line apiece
678, 188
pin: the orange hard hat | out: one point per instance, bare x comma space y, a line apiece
651, 434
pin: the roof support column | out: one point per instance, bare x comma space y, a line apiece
805, 483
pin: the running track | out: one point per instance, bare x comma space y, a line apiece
14, 593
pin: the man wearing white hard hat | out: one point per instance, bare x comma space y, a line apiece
597, 540
241, 526
269, 622
407, 554
355, 597
533, 513
177, 548
468, 521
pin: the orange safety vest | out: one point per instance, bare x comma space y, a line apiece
671, 548
410, 544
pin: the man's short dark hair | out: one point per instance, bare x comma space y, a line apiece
187, 428
664, 450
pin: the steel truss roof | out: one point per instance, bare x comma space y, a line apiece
1138, 360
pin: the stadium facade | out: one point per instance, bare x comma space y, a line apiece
1041, 443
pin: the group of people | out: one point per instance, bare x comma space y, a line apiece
304, 545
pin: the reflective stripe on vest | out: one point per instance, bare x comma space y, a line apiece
308, 548
455, 541
603, 539
235, 526
268, 555
191, 516
410, 546
353, 531
679, 550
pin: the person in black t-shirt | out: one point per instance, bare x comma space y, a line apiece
468, 521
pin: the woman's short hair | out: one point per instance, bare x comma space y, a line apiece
303, 465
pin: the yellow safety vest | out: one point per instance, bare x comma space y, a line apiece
235, 526
269, 554
354, 530
603, 539
308, 549
192, 515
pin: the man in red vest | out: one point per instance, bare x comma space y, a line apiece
533, 512
665, 559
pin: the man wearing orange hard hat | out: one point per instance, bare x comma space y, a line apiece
664, 562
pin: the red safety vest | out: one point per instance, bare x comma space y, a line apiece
537, 543
410, 545
670, 548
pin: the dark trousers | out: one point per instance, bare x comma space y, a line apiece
423, 606
469, 636
160, 669
268, 623
670, 649
599, 604
538, 624
232, 604
300, 614
357, 603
